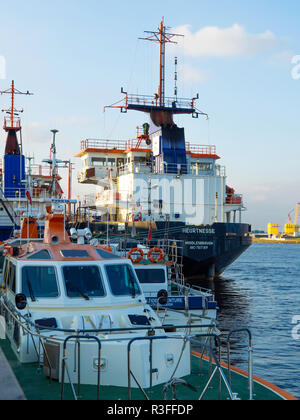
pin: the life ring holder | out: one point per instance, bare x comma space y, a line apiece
135, 251
157, 251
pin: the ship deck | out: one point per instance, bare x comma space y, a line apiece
36, 386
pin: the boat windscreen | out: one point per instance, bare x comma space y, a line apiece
83, 281
39, 282
151, 276
122, 280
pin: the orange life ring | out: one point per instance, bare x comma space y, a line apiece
157, 251
135, 251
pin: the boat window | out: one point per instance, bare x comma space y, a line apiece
122, 280
2, 262
9, 276
41, 255
151, 276
39, 282
12, 278
139, 159
4, 281
111, 162
75, 253
120, 162
205, 167
99, 162
107, 255
83, 281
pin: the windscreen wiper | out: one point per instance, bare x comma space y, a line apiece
73, 288
32, 297
84, 295
132, 282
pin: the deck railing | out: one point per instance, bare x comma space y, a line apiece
147, 100
204, 341
9, 124
122, 146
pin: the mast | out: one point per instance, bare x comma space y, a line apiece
11, 123
160, 108
55, 164
169, 154
70, 186
162, 38
29, 192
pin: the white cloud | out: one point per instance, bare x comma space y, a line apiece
191, 75
212, 41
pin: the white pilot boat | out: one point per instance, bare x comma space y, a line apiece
160, 275
80, 310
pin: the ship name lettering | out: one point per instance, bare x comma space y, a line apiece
199, 231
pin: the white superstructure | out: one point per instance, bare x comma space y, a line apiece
129, 183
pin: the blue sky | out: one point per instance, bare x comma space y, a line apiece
237, 54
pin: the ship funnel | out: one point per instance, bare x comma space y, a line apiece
12, 144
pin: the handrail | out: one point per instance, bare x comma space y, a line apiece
78, 338
232, 396
124, 145
148, 100
192, 338
150, 339
250, 358
94, 331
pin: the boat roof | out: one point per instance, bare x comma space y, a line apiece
39, 251
56, 245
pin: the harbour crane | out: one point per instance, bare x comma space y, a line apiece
297, 214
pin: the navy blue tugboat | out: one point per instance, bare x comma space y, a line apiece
159, 185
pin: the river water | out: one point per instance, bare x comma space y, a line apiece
260, 291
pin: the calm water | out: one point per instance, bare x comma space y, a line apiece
261, 292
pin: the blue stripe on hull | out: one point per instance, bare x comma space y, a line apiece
179, 303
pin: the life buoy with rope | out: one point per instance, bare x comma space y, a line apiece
135, 251
160, 255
